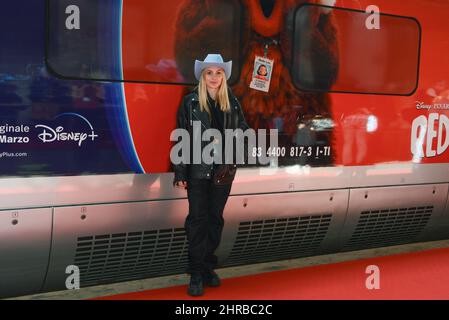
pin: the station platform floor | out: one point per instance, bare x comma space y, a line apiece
413, 271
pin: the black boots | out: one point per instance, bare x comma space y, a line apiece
200, 280
211, 279
195, 287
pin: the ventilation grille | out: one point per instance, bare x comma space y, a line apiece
381, 228
269, 240
128, 256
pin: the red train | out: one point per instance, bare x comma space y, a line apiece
360, 100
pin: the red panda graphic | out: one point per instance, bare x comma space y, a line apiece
202, 26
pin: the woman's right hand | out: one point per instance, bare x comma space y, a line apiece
181, 184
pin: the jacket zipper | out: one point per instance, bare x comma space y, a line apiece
199, 120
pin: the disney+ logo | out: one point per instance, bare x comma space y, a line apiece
50, 134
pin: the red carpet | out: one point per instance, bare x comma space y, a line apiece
419, 275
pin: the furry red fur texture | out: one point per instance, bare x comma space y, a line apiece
203, 27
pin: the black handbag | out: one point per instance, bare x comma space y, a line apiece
224, 174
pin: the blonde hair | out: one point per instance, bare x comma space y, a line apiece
222, 95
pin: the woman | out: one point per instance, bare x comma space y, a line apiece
213, 105
262, 72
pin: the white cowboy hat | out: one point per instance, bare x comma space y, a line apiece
213, 60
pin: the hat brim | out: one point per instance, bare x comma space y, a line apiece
200, 66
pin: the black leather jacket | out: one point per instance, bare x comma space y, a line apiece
190, 109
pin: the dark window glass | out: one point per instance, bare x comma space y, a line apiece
141, 41
377, 61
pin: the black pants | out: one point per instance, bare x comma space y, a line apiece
204, 223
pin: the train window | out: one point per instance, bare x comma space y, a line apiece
139, 41
337, 52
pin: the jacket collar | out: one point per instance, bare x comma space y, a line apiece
195, 94
227, 115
